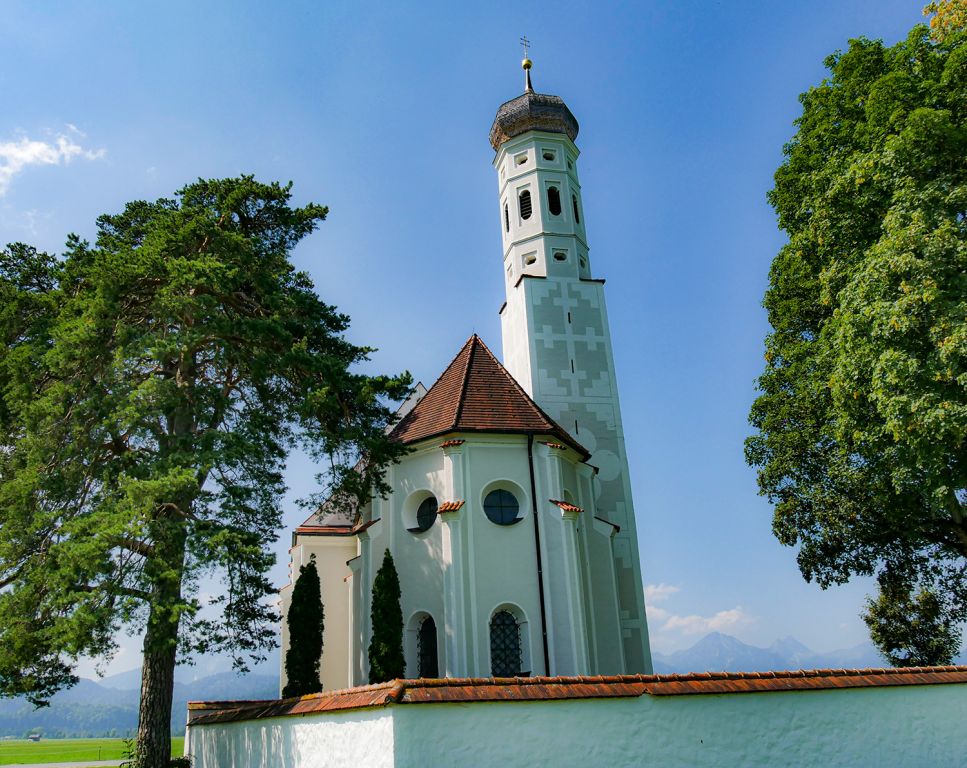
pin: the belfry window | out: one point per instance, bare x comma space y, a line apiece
574, 202
554, 201
426, 650
506, 218
525, 204
504, 645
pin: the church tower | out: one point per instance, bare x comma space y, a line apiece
556, 338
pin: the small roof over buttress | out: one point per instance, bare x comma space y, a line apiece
477, 394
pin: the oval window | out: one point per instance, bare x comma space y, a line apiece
554, 201
425, 515
502, 507
525, 204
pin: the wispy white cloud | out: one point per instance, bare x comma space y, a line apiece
17, 155
667, 624
657, 593
724, 621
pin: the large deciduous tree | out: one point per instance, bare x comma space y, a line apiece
305, 622
862, 416
386, 645
151, 385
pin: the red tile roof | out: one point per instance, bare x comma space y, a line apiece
566, 506
334, 530
450, 506
477, 394
557, 688
451, 443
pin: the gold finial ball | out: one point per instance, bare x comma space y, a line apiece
526, 63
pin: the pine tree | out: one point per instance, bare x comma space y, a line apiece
305, 621
151, 387
386, 647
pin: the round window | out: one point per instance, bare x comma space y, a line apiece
501, 507
426, 514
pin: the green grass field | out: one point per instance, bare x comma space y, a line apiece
69, 750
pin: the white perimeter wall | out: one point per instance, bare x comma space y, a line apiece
353, 739
900, 726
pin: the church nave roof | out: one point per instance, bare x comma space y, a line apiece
477, 394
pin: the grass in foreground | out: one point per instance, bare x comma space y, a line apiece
69, 750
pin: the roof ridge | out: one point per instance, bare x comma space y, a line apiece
472, 342
530, 400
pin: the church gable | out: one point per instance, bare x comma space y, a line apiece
477, 394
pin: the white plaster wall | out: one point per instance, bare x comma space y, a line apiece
855, 728
334, 740
876, 727
331, 553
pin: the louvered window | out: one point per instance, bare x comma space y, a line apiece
525, 204
426, 649
554, 201
504, 645
574, 202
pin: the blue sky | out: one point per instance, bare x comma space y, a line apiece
381, 111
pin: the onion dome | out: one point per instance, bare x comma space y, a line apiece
532, 112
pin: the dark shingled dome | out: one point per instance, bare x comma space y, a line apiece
532, 112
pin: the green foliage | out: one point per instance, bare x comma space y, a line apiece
305, 621
862, 415
151, 386
386, 647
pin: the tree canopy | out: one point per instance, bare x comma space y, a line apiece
862, 413
151, 386
305, 622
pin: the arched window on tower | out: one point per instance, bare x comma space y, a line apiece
574, 202
506, 218
505, 657
554, 201
426, 651
525, 204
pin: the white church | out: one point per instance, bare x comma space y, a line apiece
511, 521
512, 528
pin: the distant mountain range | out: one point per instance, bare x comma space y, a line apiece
723, 653
109, 706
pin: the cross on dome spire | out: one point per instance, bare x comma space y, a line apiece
526, 64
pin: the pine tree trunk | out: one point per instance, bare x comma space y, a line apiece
157, 688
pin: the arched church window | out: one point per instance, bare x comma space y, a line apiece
426, 514
574, 202
504, 645
506, 218
502, 507
426, 651
525, 204
554, 201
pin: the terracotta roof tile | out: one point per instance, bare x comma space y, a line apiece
557, 688
476, 394
556, 446
451, 443
566, 506
334, 530
450, 506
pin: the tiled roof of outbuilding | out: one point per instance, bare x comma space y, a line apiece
557, 688
477, 394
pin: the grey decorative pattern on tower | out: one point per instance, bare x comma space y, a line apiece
556, 338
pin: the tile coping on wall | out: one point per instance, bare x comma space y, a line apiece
559, 688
